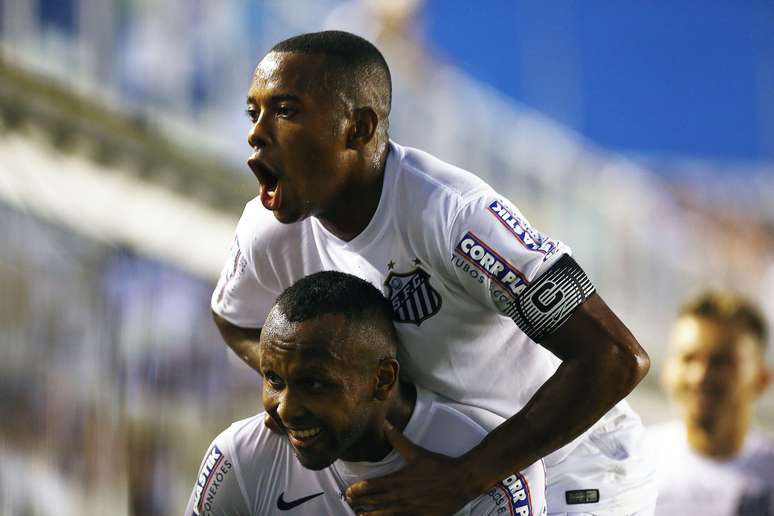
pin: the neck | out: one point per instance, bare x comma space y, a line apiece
355, 207
400, 411
374, 446
718, 438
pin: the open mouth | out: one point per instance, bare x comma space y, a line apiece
269, 182
303, 438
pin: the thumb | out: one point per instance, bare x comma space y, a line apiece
408, 450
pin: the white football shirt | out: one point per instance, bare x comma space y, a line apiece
450, 253
689, 483
249, 470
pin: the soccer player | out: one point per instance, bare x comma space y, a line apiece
712, 462
327, 355
472, 285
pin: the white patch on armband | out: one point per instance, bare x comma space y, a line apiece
549, 301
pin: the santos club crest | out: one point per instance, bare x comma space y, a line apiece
413, 298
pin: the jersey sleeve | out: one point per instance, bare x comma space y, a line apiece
239, 296
515, 495
216, 489
496, 253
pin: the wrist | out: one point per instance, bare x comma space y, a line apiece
473, 479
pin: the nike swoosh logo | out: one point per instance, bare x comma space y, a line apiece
286, 506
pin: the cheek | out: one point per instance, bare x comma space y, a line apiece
745, 383
672, 377
269, 402
344, 412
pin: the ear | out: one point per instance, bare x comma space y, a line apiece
764, 380
363, 128
386, 378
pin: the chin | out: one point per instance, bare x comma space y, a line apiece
314, 463
287, 218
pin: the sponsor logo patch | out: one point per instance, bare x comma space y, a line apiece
526, 234
492, 264
513, 493
412, 297
210, 478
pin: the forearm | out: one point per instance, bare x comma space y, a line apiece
570, 402
601, 366
242, 341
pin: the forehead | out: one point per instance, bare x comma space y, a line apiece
703, 335
322, 340
288, 73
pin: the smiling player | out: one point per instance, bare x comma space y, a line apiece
327, 356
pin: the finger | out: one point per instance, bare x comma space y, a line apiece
408, 450
364, 488
362, 495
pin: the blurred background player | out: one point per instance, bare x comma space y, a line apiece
713, 462
330, 382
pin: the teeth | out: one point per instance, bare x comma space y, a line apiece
271, 193
305, 434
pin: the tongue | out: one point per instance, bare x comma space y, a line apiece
270, 202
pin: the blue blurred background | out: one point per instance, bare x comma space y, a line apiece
640, 134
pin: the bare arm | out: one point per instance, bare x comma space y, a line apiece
242, 341
601, 363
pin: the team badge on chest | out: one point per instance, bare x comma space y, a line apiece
413, 298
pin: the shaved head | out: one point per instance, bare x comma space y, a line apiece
355, 70
367, 312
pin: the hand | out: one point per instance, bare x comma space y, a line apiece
429, 484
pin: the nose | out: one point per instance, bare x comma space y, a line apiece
290, 407
698, 372
258, 135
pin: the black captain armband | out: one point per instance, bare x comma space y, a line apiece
550, 300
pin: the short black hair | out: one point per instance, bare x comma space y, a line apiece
332, 292
728, 307
352, 60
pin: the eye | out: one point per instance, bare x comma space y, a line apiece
314, 385
252, 114
273, 380
285, 111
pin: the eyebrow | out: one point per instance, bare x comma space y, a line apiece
277, 98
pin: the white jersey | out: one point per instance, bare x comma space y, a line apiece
689, 483
249, 470
450, 253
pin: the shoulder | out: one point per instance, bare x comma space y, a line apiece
257, 224
250, 439
759, 454
425, 178
761, 442
248, 446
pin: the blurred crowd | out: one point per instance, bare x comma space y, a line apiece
111, 368
112, 375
